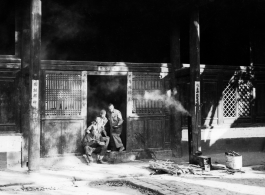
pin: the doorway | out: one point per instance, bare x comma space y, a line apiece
103, 90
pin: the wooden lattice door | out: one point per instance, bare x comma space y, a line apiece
62, 119
148, 117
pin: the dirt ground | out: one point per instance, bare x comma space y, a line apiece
71, 175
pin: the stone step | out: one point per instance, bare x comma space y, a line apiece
124, 156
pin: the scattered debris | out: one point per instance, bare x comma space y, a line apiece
218, 166
168, 167
233, 171
35, 188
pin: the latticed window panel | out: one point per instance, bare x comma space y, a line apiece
244, 98
229, 101
152, 84
237, 101
63, 94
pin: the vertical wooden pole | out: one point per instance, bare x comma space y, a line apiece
34, 80
17, 30
251, 28
24, 79
175, 62
195, 82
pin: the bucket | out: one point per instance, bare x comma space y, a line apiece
233, 162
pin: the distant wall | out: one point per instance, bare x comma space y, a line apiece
10, 150
219, 140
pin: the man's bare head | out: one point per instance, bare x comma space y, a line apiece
111, 107
102, 113
97, 119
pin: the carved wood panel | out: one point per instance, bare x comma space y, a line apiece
63, 93
237, 102
71, 136
61, 137
136, 137
146, 132
155, 132
8, 105
167, 132
51, 138
143, 88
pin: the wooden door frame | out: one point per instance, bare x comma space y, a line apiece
109, 72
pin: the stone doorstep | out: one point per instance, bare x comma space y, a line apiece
119, 157
110, 157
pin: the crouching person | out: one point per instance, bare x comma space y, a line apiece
94, 143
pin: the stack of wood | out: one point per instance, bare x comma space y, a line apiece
162, 166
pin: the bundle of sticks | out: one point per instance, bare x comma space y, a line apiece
169, 167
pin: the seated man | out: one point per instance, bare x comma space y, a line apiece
93, 143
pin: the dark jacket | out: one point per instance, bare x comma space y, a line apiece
90, 139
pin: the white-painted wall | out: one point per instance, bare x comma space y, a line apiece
10, 143
227, 133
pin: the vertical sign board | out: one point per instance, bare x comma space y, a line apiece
197, 96
129, 110
84, 98
129, 94
35, 94
35, 101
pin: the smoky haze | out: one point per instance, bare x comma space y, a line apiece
168, 99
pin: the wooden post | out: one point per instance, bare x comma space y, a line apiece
175, 62
17, 31
24, 79
34, 80
251, 27
195, 110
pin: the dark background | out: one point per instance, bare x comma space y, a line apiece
139, 31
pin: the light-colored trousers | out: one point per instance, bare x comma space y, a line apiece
117, 140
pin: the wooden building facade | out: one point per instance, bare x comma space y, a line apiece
69, 103
56, 73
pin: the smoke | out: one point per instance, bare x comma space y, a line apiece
103, 90
68, 30
168, 99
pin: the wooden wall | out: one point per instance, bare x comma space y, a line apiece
147, 125
9, 95
215, 96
